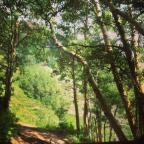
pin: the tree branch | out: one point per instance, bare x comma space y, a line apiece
21, 40
95, 46
98, 94
137, 25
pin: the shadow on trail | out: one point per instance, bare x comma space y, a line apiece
33, 135
32, 140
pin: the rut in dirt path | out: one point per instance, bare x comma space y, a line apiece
32, 135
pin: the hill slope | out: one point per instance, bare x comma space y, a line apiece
31, 111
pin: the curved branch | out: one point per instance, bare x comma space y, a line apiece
95, 46
94, 86
137, 25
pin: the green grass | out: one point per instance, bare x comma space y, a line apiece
31, 111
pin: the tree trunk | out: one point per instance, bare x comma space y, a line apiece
75, 97
96, 131
110, 132
139, 95
7, 88
85, 22
117, 78
96, 90
10, 65
125, 101
104, 131
85, 114
99, 123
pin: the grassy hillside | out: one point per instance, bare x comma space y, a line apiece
31, 111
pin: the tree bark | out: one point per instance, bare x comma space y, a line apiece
11, 53
96, 90
75, 96
104, 131
110, 132
85, 114
96, 132
99, 123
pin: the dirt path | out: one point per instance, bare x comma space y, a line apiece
33, 135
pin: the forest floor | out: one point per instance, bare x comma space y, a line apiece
32, 135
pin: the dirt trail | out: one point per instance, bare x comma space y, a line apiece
32, 135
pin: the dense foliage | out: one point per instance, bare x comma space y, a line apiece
74, 57
38, 83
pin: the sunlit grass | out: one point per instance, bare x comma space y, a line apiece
31, 111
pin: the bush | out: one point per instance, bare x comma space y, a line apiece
67, 127
38, 83
31, 111
7, 126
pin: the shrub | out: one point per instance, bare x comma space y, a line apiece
38, 83
67, 126
31, 111
7, 126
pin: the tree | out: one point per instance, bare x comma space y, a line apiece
98, 94
97, 36
117, 78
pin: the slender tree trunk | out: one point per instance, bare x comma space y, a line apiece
75, 97
117, 78
137, 56
99, 96
110, 132
104, 131
86, 24
85, 114
96, 131
89, 125
98, 117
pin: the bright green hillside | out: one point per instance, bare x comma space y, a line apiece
32, 111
